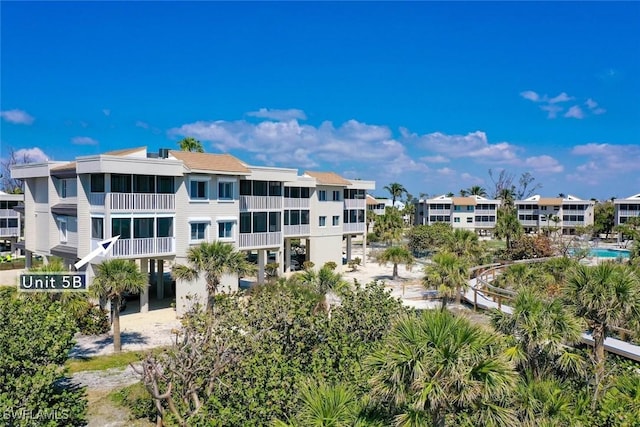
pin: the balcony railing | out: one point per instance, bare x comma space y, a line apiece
133, 201
9, 213
354, 227
297, 230
260, 203
486, 211
529, 222
143, 246
440, 211
291, 203
255, 240
626, 212
355, 203
9, 231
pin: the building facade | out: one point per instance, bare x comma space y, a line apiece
475, 213
538, 213
160, 204
627, 208
10, 219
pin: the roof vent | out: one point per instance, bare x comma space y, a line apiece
163, 153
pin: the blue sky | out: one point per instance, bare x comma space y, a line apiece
427, 94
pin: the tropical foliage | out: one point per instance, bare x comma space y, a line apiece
448, 274
396, 255
396, 190
190, 144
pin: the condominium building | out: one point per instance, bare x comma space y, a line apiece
376, 205
160, 204
627, 208
538, 213
10, 219
475, 213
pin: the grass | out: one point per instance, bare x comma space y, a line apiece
496, 244
101, 363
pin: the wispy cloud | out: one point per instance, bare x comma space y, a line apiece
563, 97
18, 117
142, 124
543, 164
575, 112
594, 107
473, 145
603, 161
83, 140
106, 112
435, 159
551, 105
281, 115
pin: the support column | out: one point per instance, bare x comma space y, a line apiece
45, 260
152, 266
307, 250
28, 259
160, 280
287, 255
364, 249
144, 296
262, 255
349, 243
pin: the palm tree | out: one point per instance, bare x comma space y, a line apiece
436, 364
396, 255
396, 190
541, 330
389, 226
114, 278
213, 260
507, 195
476, 190
191, 144
464, 192
448, 274
508, 226
463, 243
604, 296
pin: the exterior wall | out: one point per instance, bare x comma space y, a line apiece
321, 238
323, 249
466, 219
84, 215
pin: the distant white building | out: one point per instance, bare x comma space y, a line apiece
475, 213
566, 213
10, 218
627, 208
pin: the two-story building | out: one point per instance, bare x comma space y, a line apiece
538, 213
475, 213
627, 208
161, 204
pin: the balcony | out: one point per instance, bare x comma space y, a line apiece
9, 231
142, 246
133, 201
486, 211
446, 212
529, 222
9, 213
354, 227
260, 203
257, 240
291, 203
355, 203
297, 230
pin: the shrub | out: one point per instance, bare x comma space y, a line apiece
137, 399
308, 265
95, 321
330, 265
354, 263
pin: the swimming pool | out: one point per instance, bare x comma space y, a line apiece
608, 253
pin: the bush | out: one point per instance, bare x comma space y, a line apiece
137, 399
308, 265
354, 263
330, 265
95, 321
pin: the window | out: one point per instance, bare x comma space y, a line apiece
304, 217
274, 222
198, 189
259, 222
144, 184
336, 221
275, 188
164, 227
245, 187
198, 231
335, 196
165, 185
120, 183
322, 195
456, 219
469, 220
63, 229
97, 228
260, 188
245, 222
143, 228
121, 227
225, 190
304, 193
12, 222
63, 188
322, 221
225, 230
97, 183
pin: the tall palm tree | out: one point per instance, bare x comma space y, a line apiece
507, 195
191, 144
463, 243
604, 296
114, 278
464, 192
396, 190
448, 274
396, 255
508, 226
389, 226
436, 364
476, 190
212, 260
541, 330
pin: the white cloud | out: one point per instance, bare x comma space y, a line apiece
467, 177
473, 145
605, 161
290, 114
106, 112
530, 95
83, 140
446, 171
32, 155
575, 112
563, 97
142, 124
593, 107
18, 117
435, 159
543, 164
552, 110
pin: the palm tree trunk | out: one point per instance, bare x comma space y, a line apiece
599, 333
117, 342
395, 271
438, 419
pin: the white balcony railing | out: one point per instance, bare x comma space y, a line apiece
290, 203
9, 231
529, 223
8, 213
254, 240
486, 212
355, 203
297, 230
133, 201
354, 227
439, 211
260, 203
143, 246
627, 212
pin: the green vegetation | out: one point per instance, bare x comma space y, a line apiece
101, 363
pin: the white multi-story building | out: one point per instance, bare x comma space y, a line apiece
473, 213
627, 208
538, 213
10, 219
161, 204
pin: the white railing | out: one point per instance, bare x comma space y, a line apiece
260, 203
9, 231
354, 227
143, 246
628, 213
529, 222
291, 203
9, 213
486, 212
297, 230
253, 240
141, 202
355, 203
439, 211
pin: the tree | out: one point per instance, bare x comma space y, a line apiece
212, 260
396, 255
477, 190
191, 144
388, 227
114, 278
605, 296
436, 365
465, 244
448, 274
428, 238
8, 184
508, 226
504, 180
604, 218
396, 190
